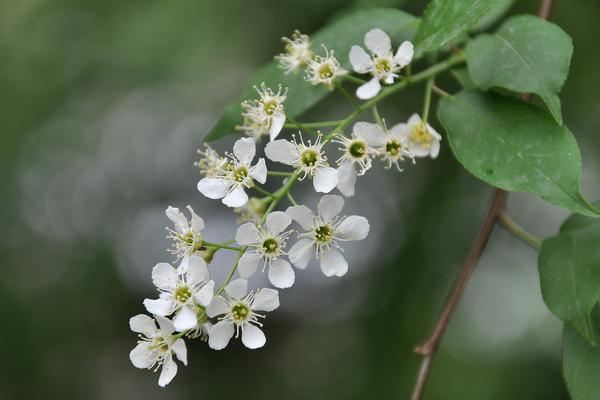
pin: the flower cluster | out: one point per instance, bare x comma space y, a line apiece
189, 304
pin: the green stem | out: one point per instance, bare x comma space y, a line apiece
221, 245
291, 199
321, 124
302, 126
355, 79
427, 99
279, 173
262, 191
507, 223
377, 117
347, 95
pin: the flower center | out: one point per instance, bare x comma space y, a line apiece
326, 71
182, 294
160, 344
240, 312
270, 106
357, 149
420, 135
393, 148
201, 314
383, 65
270, 246
309, 158
323, 234
240, 173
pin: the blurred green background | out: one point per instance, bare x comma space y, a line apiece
102, 105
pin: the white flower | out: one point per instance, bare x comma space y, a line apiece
324, 70
358, 153
254, 129
185, 292
229, 185
267, 111
156, 347
382, 65
239, 312
323, 234
297, 52
308, 158
422, 140
393, 147
186, 235
210, 162
267, 246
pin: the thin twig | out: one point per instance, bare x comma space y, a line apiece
439, 91
517, 230
496, 210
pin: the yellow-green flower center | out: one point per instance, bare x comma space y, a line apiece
160, 344
323, 233
309, 158
393, 148
420, 135
383, 65
325, 71
357, 149
240, 312
240, 173
182, 294
270, 106
270, 245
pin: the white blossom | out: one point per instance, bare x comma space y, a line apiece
186, 234
297, 52
229, 185
156, 347
185, 291
239, 311
266, 112
266, 246
210, 162
309, 158
393, 145
422, 140
324, 70
358, 152
323, 235
382, 64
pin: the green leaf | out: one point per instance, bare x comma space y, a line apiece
515, 146
444, 20
526, 55
498, 10
581, 362
569, 265
463, 78
340, 35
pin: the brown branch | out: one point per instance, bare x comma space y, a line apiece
428, 349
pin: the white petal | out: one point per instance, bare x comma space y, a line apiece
236, 198
142, 356
266, 299
378, 42
178, 347
325, 179
259, 171
248, 264
185, 319
277, 121
247, 234
302, 215
162, 306
282, 151
389, 78
329, 206
360, 60
237, 288
353, 228
177, 218
346, 179
220, 334
369, 89
214, 188
169, 370
435, 149
417, 150
143, 324
183, 264
301, 253
333, 263
164, 276
197, 221
401, 130
166, 326
414, 119
277, 221
281, 274
244, 150
253, 337
205, 295
373, 134
197, 271
217, 306
434, 133
404, 54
